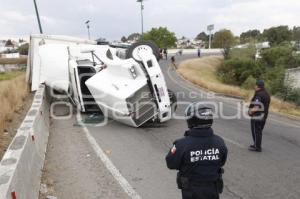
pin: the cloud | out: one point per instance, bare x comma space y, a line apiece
258, 14
113, 19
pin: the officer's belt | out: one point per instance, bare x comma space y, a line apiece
203, 183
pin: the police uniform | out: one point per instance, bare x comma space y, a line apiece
199, 157
260, 99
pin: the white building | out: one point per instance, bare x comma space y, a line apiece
190, 43
293, 76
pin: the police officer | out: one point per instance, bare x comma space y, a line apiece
199, 52
258, 110
166, 53
199, 156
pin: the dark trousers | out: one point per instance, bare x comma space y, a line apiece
201, 192
257, 127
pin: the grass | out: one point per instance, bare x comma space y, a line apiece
202, 72
12, 95
21, 60
10, 75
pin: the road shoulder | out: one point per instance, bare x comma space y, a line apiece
72, 169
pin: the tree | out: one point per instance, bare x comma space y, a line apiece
296, 33
281, 55
134, 36
223, 39
250, 35
277, 35
23, 49
202, 36
9, 43
123, 39
161, 36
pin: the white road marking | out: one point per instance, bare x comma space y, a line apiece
129, 190
234, 142
284, 123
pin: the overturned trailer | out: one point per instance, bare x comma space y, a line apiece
127, 85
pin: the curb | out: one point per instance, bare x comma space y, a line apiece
21, 166
291, 117
208, 91
229, 96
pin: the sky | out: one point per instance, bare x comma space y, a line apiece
113, 19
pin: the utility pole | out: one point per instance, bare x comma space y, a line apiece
38, 16
88, 28
142, 15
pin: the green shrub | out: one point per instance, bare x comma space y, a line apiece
23, 50
242, 53
275, 77
241, 69
280, 55
294, 96
236, 71
249, 83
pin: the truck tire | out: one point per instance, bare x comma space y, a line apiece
151, 44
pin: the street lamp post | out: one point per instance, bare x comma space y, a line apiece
88, 28
210, 29
38, 16
142, 15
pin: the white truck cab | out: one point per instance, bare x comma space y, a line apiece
132, 91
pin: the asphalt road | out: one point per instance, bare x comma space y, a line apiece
139, 153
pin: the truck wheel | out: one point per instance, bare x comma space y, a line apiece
173, 100
143, 44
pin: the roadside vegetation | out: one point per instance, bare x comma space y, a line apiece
204, 73
10, 75
241, 69
13, 91
243, 66
161, 36
22, 60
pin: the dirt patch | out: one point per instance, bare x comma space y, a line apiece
13, 124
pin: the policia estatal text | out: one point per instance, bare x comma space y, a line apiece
199, 156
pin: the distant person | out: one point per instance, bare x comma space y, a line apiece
166, 53
258, 110
199, 52
160, 53
180, 52
174, 62
199, 156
